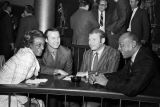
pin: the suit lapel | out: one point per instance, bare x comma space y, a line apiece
135, 15
58, 56
138, 56
90, 57
104, 54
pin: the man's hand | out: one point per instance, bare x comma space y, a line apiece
101, 79
59, 71
92, 79
82, 74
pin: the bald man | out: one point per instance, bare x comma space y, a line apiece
138, 75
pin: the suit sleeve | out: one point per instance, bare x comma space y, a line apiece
44, 68
83, 65
68, 66
146, 26
133, 84
20, 33
123, 13
113, 61
9, 31
93, 21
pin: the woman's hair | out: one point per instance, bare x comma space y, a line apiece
30, 36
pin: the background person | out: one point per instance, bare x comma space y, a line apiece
139, 22
28, 22
82, 22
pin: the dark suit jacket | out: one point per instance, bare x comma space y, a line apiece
82, 23
26, 24
6, 33
140, 24
119, 20
116, 19
95, 13
134, 80
63, 61
108, 61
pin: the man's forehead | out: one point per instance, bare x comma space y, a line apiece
123, 39
103, 2
53, 33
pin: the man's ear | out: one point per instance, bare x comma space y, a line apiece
46, 40
134, 44
103, 40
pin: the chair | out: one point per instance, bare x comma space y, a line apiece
2, 60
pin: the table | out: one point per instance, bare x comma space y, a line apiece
61, 87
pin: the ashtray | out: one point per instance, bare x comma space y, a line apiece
76, 79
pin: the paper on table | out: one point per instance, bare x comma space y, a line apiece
68, 78
36, 81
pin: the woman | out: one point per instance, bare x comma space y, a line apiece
23, 65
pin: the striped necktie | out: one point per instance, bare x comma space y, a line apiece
101, 19
95, 62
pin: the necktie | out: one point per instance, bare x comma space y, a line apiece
101, 19
130, 65
95, 62
53, 55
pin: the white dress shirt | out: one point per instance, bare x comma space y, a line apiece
99, 18
134, 11
99, 55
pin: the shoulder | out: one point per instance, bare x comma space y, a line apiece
111, 50
25, 54
88, 53
64, 50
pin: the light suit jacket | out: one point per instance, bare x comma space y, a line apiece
108, 61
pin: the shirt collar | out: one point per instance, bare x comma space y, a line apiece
135, 9
134, 55
99, 51
51, 50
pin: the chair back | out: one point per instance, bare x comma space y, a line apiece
2, 60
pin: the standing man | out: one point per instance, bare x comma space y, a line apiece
139, 75
27, 23
113, 17
117, 21
82, 23
139, 22
56, 59
100, 14
6, 31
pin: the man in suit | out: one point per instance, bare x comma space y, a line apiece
139, 22
116, 14
118, 20
56, 59
27, 23
82, 22
99, 59
139, 75
6, 31
100, 13
107, 57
